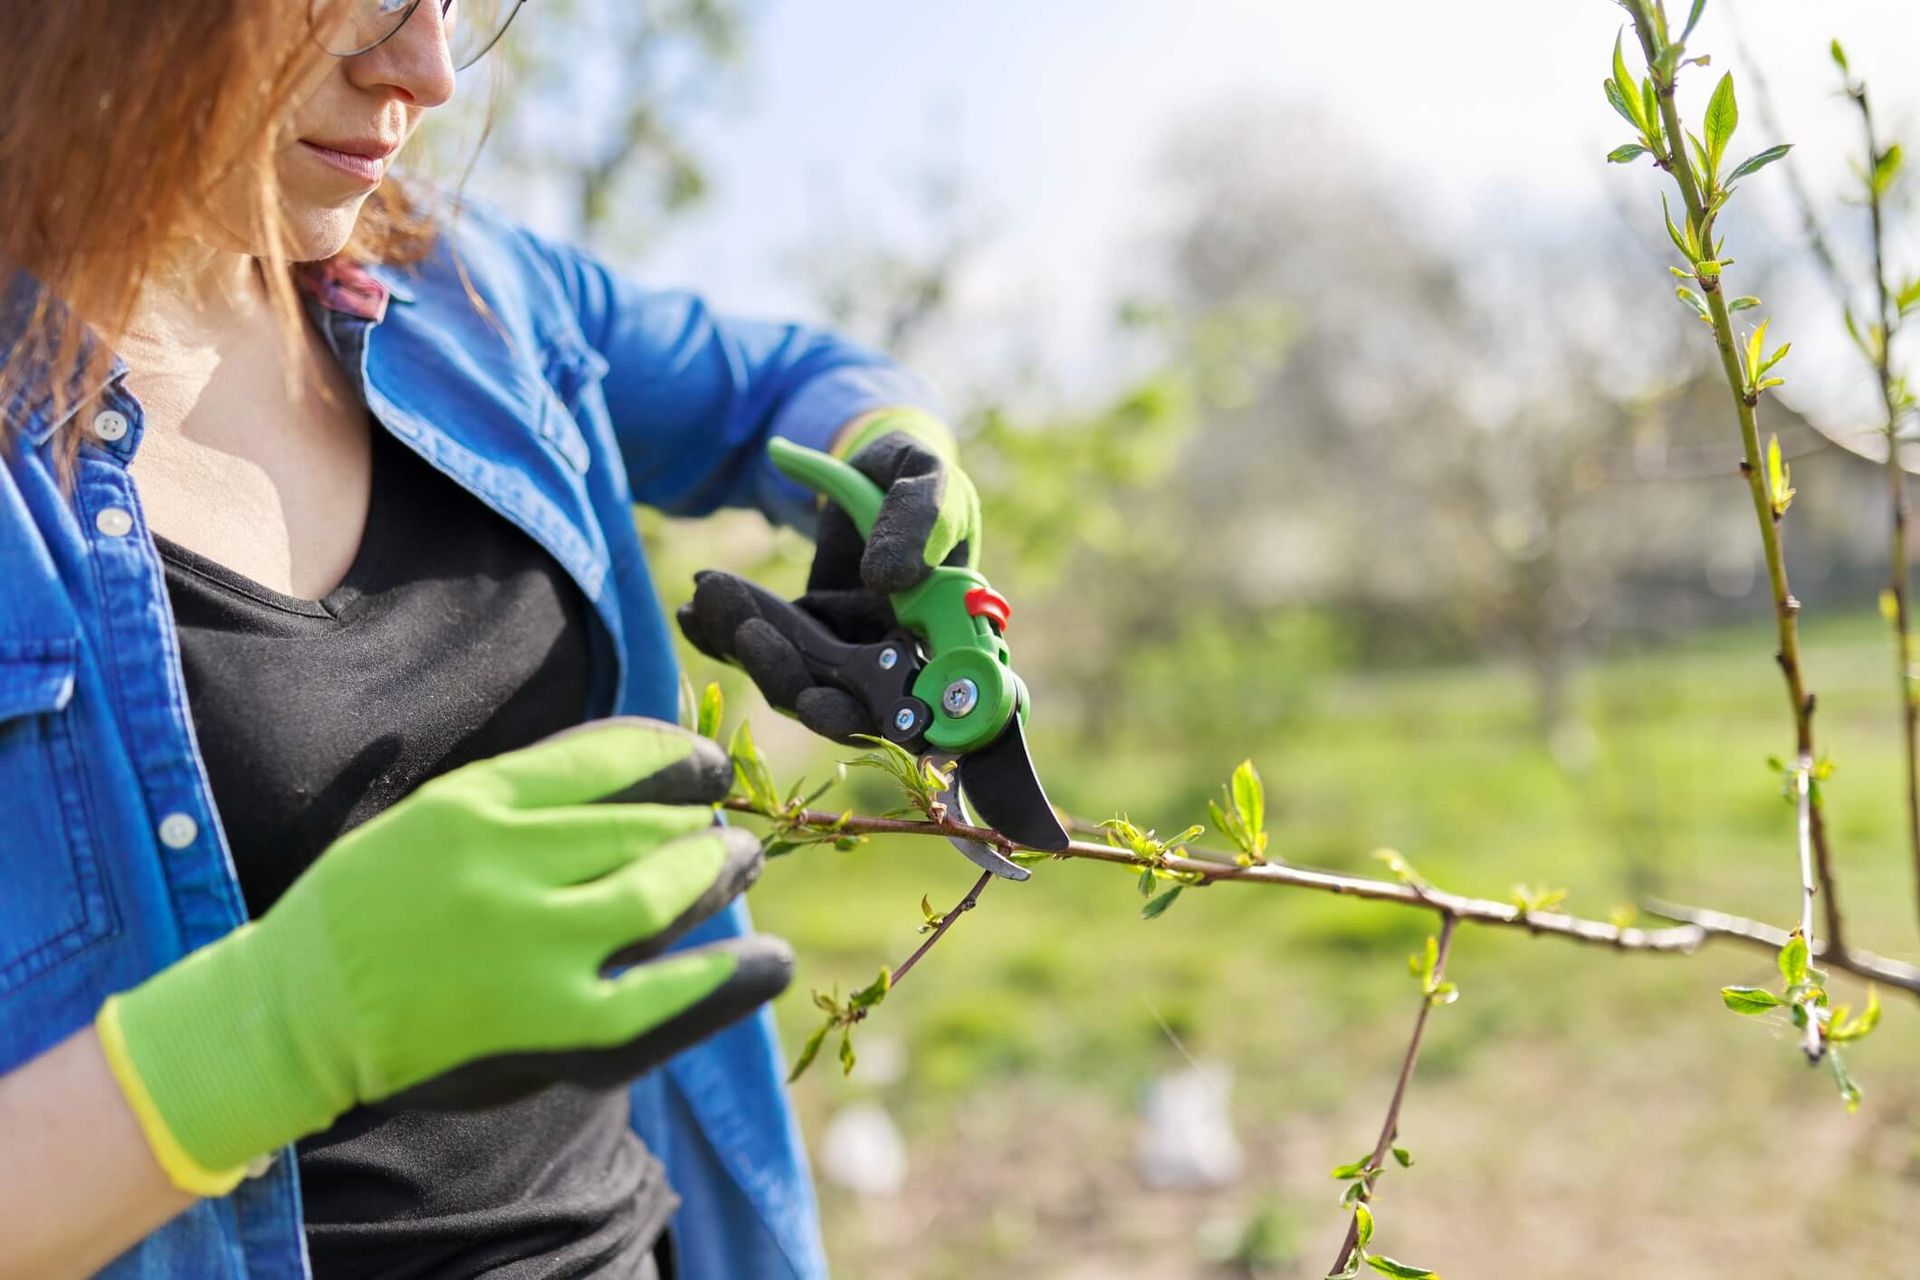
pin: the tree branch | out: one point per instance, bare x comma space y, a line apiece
1880, 353
1766, 937
1879, 356
1698, 927
1649, 25
1390, 1127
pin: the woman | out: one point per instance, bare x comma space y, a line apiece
350, 869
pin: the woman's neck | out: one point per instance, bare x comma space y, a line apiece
197, 297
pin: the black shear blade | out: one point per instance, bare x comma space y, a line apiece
1003, 789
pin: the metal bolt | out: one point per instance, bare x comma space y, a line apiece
903, 719
889, 656
961, 697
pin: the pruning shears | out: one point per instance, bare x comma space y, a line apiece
941, 686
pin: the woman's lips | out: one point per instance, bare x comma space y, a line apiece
369, 169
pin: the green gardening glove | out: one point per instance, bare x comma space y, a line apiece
929, 515
460, 949
929, 510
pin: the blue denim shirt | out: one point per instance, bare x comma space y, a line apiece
584, 394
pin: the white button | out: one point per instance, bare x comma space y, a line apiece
115, 522
177, 830
109, 424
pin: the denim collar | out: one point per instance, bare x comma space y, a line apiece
340, 285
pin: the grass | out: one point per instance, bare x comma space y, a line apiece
1577, 1112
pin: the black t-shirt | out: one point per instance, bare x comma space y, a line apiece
452, 638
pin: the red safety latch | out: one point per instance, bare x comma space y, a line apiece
988, 602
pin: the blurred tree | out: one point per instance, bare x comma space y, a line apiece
1468, 446
587, 112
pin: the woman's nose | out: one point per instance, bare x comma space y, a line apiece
415, 60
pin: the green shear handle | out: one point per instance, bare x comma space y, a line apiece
968, 679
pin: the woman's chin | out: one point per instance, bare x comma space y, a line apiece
321, 232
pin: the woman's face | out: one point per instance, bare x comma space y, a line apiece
347, 122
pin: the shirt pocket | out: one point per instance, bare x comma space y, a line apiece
573, 371
52, 901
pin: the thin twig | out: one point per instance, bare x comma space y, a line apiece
946, 922
1879, 356
1803, 809
1649, 25
1390, 1128
1880, 353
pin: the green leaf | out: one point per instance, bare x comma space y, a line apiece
1622, 99
750, 769
1746, 302
1839, 56
1625, 83
1849, 1091
1870, 1016
1781, 494
1353, 1193
1146, 882
1445, 993
1427, 960
1693, 19
1221, 820
1723, 117
712, 705
1250, 798
1405, 1271
1793, 959
873, 993
1693, 300
1349, 1271
1403, 870
1404, 1156
1650, 111
1749, 1000
1843, 1030
809, 1052
1682, 243
1885, 169
1622, 154
1757, 161
846, 1050
1353, 1170
1755, 341
1158, 906
1363, 1225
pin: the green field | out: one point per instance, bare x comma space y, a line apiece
1577, 1112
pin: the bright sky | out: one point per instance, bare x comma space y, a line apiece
1053, 113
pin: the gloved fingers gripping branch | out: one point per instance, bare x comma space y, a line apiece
929, 510
733, 620
461, 949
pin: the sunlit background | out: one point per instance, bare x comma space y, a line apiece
1333, 408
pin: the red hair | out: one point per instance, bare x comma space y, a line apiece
115, 123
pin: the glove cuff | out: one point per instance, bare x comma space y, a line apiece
923, 426
222, 1059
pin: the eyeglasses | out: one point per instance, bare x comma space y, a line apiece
473, 26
